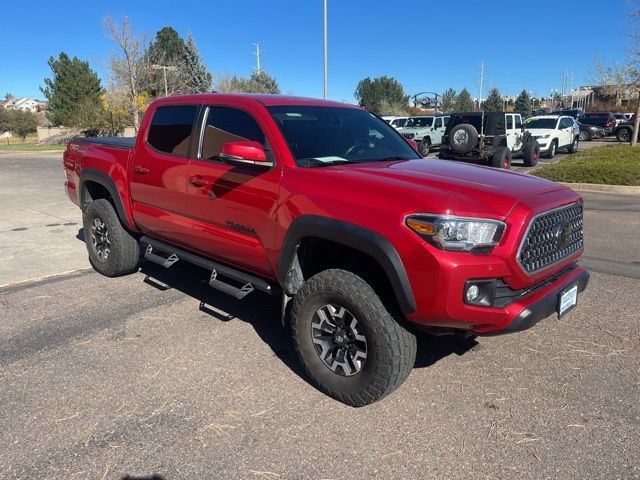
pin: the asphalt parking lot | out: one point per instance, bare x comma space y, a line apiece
108, 378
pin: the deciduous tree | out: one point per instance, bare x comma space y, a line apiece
372, 93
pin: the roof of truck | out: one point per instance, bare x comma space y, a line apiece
267, 100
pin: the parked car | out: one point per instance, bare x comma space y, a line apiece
628, 115
604, 120
296, 198
589, 132
553, 133
540, 111
426, 131
624, 131
395, 122
571, 112
490, 138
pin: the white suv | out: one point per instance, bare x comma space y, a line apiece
554, 132
426, 131
395, 122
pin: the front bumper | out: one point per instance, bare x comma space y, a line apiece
545, 306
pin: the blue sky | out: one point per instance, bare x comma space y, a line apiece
428, 45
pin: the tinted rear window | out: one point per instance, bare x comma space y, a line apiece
170, 129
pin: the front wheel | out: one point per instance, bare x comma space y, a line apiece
531, 154
113, 251
501, 158
584, 135
552, 150
425, 147
349, 344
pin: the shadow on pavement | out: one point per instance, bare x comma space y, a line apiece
262, 311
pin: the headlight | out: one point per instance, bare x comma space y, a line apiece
546, 135
457, 233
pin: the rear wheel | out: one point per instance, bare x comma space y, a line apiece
501, 158
531, 154
552, 149
573, 148
623, 135
113, 251
349, 344
425, 147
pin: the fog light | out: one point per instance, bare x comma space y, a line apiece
472, 293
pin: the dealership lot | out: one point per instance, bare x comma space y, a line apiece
103, 378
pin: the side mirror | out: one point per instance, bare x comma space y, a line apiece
244, 153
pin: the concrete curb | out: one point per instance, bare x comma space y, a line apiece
602, 188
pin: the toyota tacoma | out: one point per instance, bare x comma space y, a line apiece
327, 206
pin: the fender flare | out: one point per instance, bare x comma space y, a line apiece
353, 236
93, 175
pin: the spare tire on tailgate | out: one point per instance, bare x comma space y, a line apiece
463, 138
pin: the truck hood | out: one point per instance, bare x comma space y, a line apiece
440, 186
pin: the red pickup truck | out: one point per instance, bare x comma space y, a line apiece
327, 206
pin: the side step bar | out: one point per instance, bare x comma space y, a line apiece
250, 282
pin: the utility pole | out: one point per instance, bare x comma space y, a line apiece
325, 89
164, 69
257, 53
481, 80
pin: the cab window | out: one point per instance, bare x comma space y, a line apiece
518, 122
509, 122
227, 124
170, 129
438, 123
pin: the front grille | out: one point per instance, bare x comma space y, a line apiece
552, 236
409, 135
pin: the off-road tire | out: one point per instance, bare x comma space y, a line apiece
553, 148
531, 153
623, 135
471, 138
391, 348
499, 156
584, 135
424, 147
124, 253
573, 148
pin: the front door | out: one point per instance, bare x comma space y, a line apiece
512, 137
159, 172
438, 131
232, 208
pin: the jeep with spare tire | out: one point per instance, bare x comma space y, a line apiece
489, 138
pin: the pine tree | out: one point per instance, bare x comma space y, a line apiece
494, 102
464, 102
167, 49
262, 82
523, 104
448, 100
73, 89
197, 78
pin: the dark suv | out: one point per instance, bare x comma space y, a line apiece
492, 138
571, 112
605, 120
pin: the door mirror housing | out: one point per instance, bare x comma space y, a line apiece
245, 152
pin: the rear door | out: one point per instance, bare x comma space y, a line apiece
438, 131
565, 134
159, 172
232, 207
512, 139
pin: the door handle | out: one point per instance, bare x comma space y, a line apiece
140, 170
198, 181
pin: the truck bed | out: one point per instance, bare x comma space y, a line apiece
117, 142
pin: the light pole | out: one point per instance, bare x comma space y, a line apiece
325, 92
164, 69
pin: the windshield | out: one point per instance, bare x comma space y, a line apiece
548, 123
420, 122
320, 136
